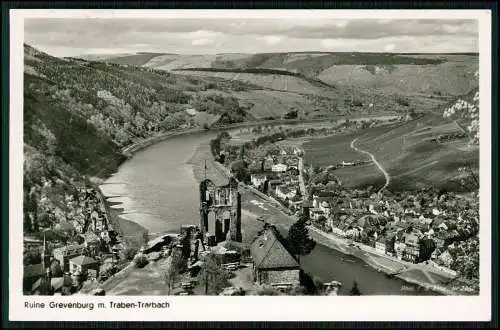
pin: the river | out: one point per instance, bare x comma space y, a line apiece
157, 189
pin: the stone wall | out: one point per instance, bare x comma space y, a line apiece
280, 276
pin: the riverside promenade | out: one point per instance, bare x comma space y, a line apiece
425, 275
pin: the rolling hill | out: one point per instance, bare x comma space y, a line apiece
408, 151
374, 81
79, 114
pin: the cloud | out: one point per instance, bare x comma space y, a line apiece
389, 47
341, 24
202, 42
231, 35
270, 40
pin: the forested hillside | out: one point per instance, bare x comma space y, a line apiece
79, 115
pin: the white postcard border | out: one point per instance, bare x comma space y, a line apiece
250, 308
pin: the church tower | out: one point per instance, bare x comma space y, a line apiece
45, 255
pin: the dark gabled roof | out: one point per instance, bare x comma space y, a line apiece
306, 203
90, 237
70, 249
43, 285
33, 270
57, 283
325, 193
269, 252
83, 260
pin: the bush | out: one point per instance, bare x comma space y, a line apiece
129, 253
268, 291
291, 114
403, 101
141, 261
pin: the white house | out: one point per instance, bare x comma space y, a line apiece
338, 231
446, 258
436, 212
380, 244
430, 232
443, 226
371, 209
344, 163
258, 179
325, 207
280, 168
316, 213
191, 111
285, 191
297, 151
399, 247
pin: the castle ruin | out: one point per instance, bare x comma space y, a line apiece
220, 211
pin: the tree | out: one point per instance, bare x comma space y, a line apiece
240, 170
129, 253
185, 242
172, 273
355, 291
141, 261
322, 221
268, 291
299, 242
145, 237
212, 276
55, 269
242, 152
427, 246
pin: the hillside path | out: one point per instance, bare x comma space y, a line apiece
374, 160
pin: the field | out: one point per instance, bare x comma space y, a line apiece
336, 149
170, 62
404, 150
416, 160
139, 59
285, 83
440, 79
354, 82
432, 74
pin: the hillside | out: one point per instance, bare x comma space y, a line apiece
373, 81
78, 116
411, 152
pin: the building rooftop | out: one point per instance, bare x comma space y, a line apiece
324, 194
70, 249
83, 260
269, 252
90, 237
33, 270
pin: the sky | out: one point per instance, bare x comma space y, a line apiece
73, 37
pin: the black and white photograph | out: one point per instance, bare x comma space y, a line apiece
251, 154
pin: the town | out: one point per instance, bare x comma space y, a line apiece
432, 227
246, 171
429, 227
199, 260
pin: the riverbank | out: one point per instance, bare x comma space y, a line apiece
134, 147
129, 231
411, 273
425, 277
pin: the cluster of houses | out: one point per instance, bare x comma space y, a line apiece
278, 176
412, 234
64, 267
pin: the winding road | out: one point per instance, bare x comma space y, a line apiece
374, 160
